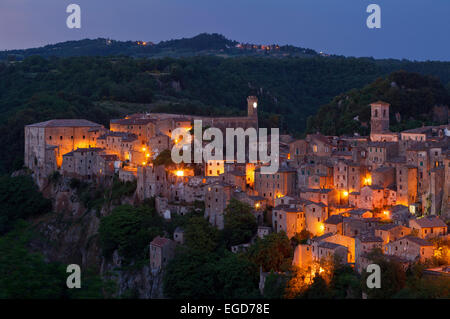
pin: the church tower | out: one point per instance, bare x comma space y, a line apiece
379, 119
252, 106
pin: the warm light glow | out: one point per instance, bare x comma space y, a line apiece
386, 213
144, 163
147, 155
289, 156
257, 205
368, 181
321, 270
144, 149
321, 227
179, 173
345, 193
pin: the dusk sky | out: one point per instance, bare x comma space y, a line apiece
411, 29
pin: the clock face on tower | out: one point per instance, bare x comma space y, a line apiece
255, 105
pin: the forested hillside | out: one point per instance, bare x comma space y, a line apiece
202, 44
290, 89
415, 100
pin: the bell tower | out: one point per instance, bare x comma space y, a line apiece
252, 106
379, 119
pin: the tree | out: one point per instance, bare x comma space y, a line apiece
129, 230
273, 252
318, 289
393, 277
20, 198
201, 235
195, 274
274, 286
345, 283
301, 237
239, 223
163, 158
26, 275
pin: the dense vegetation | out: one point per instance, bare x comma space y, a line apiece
202, 44
129, 230
413, 98
20, 199
290, 89
24, 273
205, 268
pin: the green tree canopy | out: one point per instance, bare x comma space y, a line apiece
239, 223
194, 274
273, 252
20, 198
201, 235
130, 230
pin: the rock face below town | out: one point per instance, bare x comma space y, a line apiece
70, 235
134, 282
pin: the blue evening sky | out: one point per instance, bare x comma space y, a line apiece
411, 29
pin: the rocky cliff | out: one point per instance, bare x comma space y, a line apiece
70, 235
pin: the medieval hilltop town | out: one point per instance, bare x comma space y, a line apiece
351, 193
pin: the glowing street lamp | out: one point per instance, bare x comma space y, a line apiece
179, 173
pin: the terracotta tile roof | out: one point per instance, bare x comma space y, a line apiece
160, 241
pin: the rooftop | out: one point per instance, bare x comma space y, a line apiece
160, 241
427, 222
65, 123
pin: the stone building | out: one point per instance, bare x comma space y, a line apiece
279, 184
428, 227
291, 220
391, 232
81, 162
334, 224
47, 142
217, 198
151, 181
178, 235
411, 248
161, 252
315, 216
365, 244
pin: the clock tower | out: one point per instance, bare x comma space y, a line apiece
252, 106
